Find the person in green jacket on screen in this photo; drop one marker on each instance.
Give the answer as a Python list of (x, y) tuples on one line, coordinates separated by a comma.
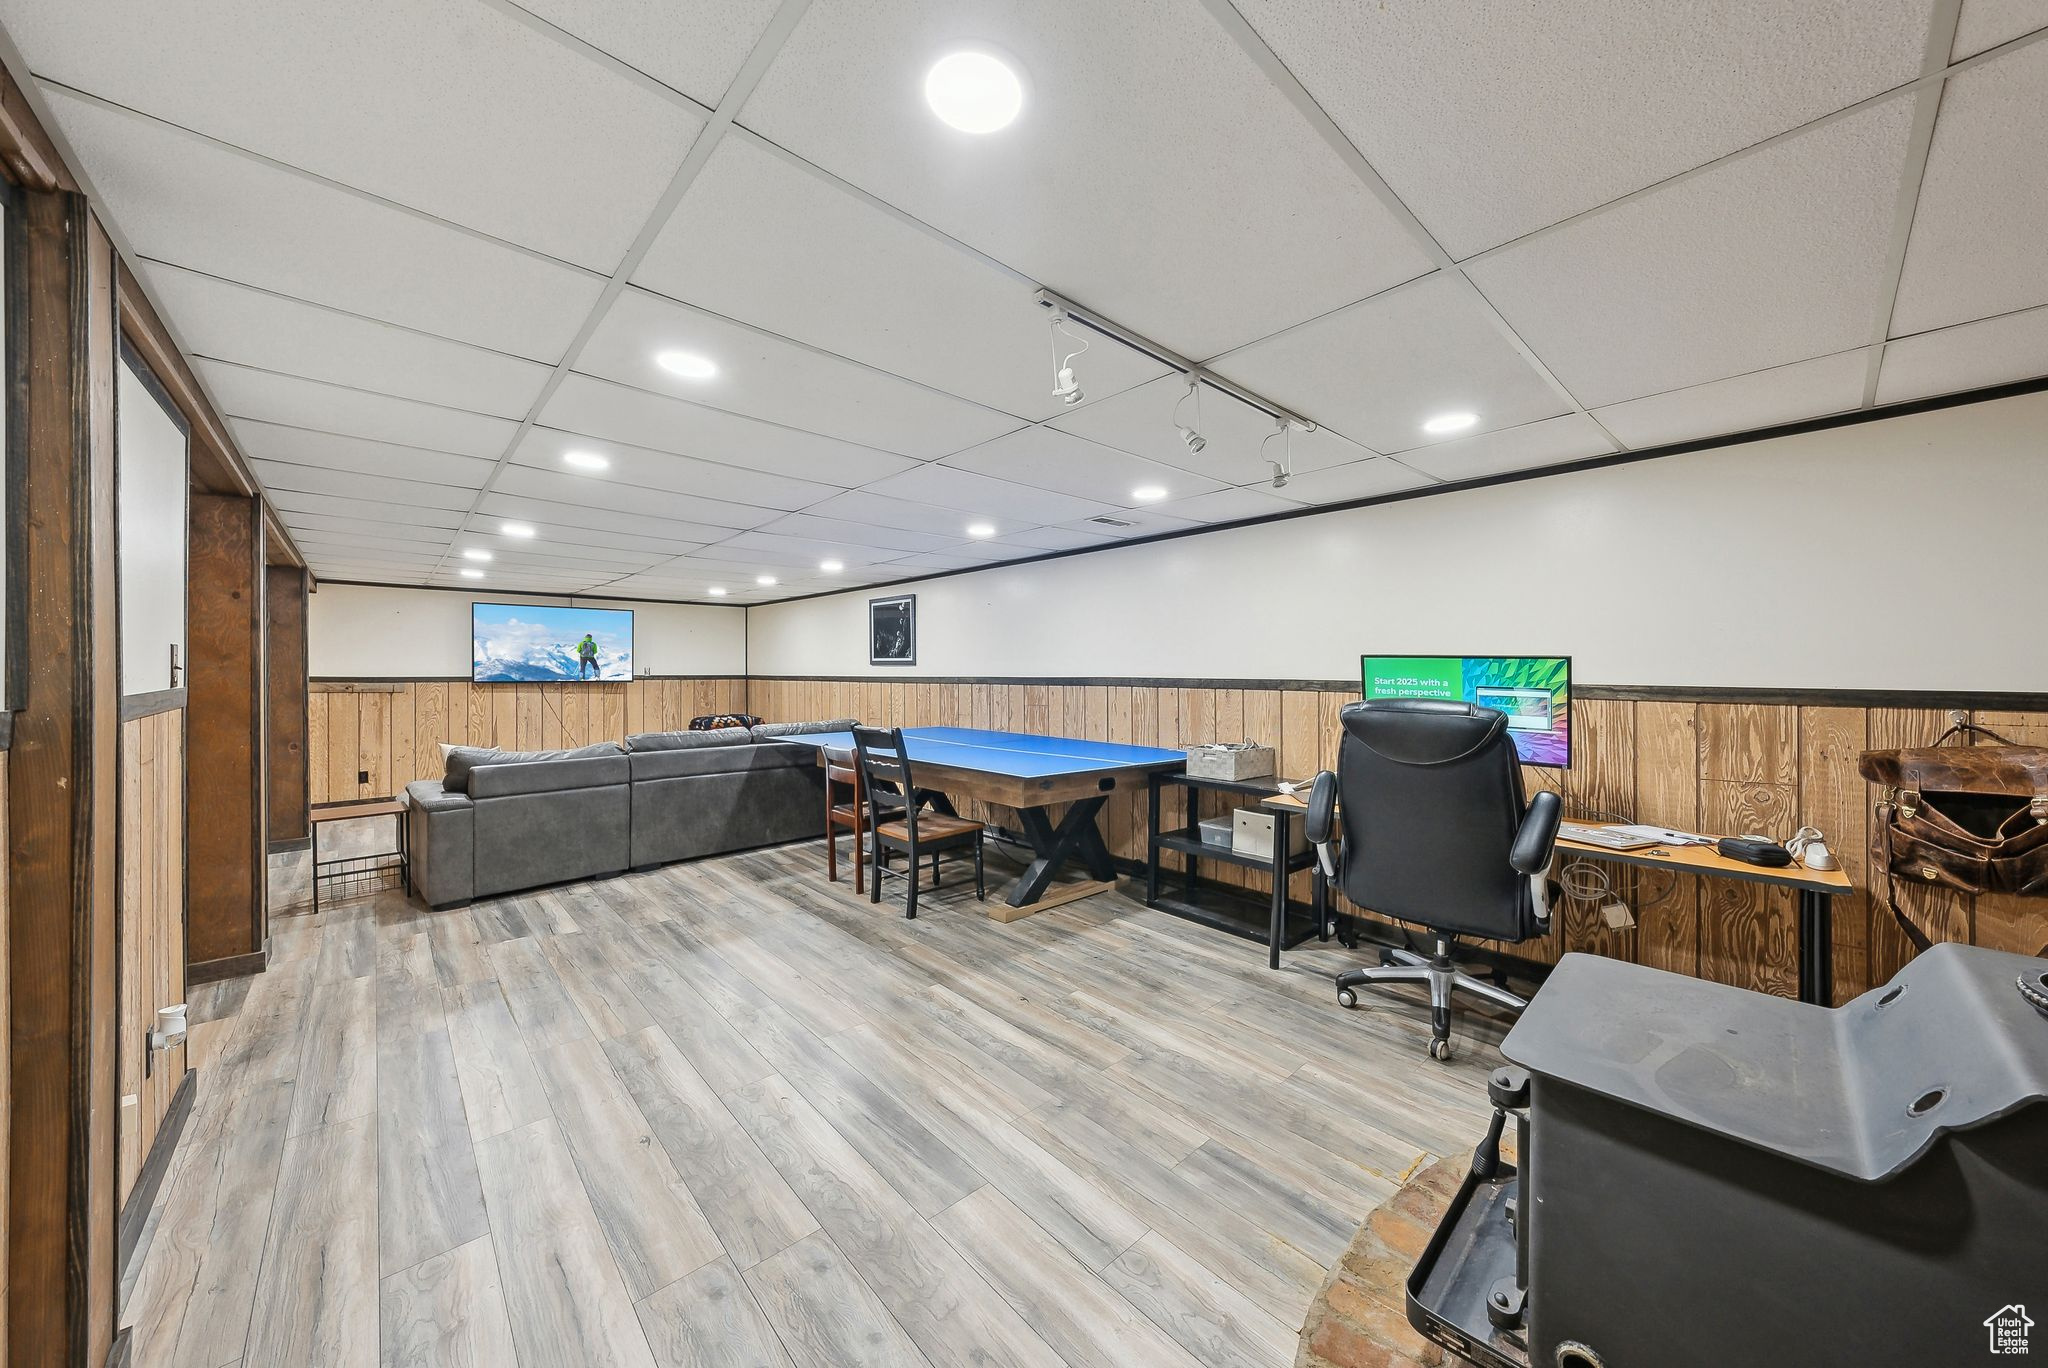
[(586, 657)]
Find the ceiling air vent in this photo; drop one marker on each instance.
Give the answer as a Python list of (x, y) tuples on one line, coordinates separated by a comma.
[(1112, 522)]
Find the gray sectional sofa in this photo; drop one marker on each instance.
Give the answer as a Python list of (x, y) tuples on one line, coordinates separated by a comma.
[(499, 821)]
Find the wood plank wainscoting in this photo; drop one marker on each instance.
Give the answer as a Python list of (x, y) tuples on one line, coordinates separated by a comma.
[(151, 935), (1694, 763), (370, 738)]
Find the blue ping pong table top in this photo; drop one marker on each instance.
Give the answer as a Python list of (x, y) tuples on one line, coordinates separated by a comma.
[(1014, 754)]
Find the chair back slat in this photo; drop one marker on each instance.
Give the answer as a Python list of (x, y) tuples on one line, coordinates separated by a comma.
[(885, 777)]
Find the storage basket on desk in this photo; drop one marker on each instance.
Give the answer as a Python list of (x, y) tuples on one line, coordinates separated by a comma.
[(1239, 761)]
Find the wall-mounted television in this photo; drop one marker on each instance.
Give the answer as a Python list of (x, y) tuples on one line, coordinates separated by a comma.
[(530, 643), (1534, 691)]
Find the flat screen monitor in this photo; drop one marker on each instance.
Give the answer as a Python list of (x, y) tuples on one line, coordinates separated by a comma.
[(528, 643), (1534, 691)]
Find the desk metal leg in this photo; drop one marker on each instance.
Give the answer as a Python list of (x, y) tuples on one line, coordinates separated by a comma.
[(313, 846), (1152, 841), (1276, 930), (1816, 947)]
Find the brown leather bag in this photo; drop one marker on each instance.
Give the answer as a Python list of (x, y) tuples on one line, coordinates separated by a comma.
[(1968, 818)]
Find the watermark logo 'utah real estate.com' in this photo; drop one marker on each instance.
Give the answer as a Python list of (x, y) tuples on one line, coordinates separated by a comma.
[(2008, 1327)]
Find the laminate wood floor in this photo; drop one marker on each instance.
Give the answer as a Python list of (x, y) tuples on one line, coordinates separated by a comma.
[(725, 1114)]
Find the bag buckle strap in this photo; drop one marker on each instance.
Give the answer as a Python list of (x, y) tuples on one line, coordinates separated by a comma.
[(1909, 801), (2037, 808)]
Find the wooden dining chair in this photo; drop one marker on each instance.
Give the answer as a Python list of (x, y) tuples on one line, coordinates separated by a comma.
[(842, 771), (897, 820)]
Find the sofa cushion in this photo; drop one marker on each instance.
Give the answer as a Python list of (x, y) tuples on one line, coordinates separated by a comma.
[(768, 731), (553, 775), (678, 764), (463, 759), (687, 740), (430, 796)]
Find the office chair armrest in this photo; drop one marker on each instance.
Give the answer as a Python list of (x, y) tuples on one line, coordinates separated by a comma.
[(1538, 835), (1320, 823)]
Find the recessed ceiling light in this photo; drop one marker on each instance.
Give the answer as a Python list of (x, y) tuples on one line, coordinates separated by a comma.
[(472, 574), (764, 579), (520, 530), (718, 591), (689, 365), (831, 567), (1149, 493), (475, 553), (1450, 422), (974, 91), (586, 460), (981, 529)]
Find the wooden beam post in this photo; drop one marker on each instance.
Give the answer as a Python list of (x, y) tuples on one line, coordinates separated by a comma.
[(62, 792), (285, 653), (227, 922)]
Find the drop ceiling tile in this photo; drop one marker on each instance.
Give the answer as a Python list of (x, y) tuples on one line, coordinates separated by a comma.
[(369, 488), (365, 549), (449, 108), (910, 515), (1138, 522), (937, 560), (767, 377), (970, 492), (843, 274), (320, 524), (499, 506), (569, 558), (695, 46), (1058, 539), (1048, 459), (341, 572), (872, 535), (1978, 246), (1367, 479), (758, 547), (1142, 421), (621, 413), (271, 397), (1987, 23), (1229, 505), (289, 501), (330, 451), (1491, 121), (1783, 394), (1772, 258), (526, 482), (1554, 441), (1156, 174), (544, 449), (1993, 351), (221, 320), (298, 237), (1377, 370), (484, 532)]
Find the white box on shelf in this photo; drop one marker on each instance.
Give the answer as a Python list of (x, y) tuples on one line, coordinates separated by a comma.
[(1230, 762), (1216, 831), (1252, 834)]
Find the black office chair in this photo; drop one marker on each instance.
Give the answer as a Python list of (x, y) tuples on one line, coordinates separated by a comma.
[(1436, 832), (896, 824)]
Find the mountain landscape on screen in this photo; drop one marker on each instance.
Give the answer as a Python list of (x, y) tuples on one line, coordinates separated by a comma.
[(531, 643)]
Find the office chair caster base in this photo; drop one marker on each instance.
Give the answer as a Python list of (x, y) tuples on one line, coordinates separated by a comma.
[(1346, 998), (1440, 1050)]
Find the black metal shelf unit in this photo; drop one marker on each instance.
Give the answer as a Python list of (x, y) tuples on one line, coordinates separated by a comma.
[(1241, 914)]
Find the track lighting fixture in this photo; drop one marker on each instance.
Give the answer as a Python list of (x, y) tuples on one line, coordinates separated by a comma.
[(1191, 437), (1283, 469), (1065, 387)]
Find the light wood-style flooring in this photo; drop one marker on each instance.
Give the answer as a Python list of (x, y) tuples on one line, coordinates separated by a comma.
[(727, 1114)]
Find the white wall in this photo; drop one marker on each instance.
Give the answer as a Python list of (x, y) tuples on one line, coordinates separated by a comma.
[(152, 451), (360, 632), (1897, 554)]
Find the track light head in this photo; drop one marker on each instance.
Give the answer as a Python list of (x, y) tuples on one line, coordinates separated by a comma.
[(1280, 475), (1065, 387), (1193, 440)]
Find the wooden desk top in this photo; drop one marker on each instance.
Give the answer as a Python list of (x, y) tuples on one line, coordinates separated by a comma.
[(1689, 859), (385, 807)]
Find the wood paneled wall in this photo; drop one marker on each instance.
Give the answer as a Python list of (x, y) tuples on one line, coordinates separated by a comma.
[(1697, 765), (152, 929), (284, 656), (371, 739)]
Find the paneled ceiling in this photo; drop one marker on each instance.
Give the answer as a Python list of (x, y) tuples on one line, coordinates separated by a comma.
[(422, 253)]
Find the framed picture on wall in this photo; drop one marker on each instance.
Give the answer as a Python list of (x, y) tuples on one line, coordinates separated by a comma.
[(892, 630)]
